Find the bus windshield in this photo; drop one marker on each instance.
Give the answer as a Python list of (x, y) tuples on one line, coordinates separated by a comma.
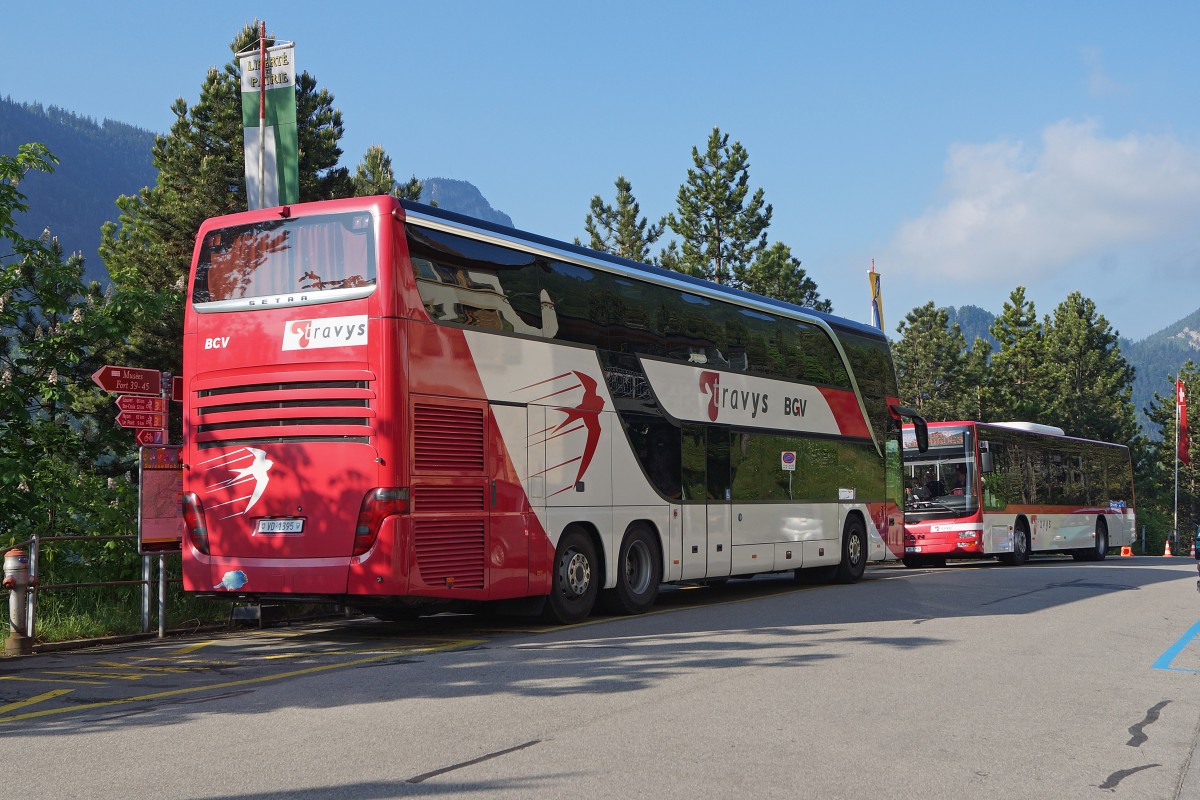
[(252, 264), (943, 481)]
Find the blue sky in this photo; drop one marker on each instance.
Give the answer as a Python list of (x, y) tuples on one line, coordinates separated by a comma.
[(966, 148)]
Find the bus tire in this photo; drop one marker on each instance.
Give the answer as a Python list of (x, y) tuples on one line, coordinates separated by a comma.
[(638, 569), (576, 580), (854, 551), (1099, 549), (1020, 553)]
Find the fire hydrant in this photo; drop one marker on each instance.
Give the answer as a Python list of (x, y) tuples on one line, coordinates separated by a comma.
[(16, 580)]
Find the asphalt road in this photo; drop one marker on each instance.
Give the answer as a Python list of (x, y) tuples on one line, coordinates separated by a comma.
[(1053, 680)]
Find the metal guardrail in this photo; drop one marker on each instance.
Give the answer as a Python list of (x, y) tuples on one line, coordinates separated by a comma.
[(30, 586)]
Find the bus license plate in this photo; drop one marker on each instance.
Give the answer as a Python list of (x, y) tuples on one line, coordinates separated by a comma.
[(280, 526)]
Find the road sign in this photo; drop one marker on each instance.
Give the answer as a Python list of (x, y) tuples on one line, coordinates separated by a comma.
[(138, 402), (149, 437), (128, 380), (140, 419)]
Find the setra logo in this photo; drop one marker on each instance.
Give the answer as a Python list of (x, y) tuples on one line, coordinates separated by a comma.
[(312, 334)]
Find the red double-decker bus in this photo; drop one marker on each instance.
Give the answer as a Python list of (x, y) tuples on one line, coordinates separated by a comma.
[(1008, 490), (395, 407)]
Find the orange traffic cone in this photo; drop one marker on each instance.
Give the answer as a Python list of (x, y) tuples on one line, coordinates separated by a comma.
[(1193, 549), (1167, 552), (1126, 552)]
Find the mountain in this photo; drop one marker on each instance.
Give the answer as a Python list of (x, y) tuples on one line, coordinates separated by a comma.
[(461, 197), (1157, 359), (974, 322), (98, 162)]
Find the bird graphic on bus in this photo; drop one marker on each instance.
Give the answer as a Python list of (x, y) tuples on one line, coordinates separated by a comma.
[(583, 416), (256, 472)]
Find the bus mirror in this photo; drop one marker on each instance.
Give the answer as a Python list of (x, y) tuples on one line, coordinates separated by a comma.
[(985, 458), (920, 427)]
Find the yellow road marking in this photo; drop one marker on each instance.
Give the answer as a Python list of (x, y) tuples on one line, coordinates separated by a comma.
[(82, 674), (48, 680), (191, 648), (229, 684), (38, 699)]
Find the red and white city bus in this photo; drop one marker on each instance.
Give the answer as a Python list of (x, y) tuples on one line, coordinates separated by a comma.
[(392, 406), (1010, 489)]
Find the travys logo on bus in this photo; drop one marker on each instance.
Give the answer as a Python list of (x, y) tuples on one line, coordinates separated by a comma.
[(312, 334), (740, 401)]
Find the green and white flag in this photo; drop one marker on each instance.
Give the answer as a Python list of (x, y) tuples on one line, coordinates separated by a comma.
[(269, 120)]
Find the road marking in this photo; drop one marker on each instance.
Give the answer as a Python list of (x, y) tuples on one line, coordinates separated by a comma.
[(213, 686), (191, 648), (1164, 661), (49, 680), (38, 699)]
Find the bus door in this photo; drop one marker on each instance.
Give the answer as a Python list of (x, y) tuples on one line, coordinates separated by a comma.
[(707, 512)]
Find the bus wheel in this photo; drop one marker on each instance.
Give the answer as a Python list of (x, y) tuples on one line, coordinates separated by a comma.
[(638, 569), (854, 551), (1099, 550), (576, 581), (1020, 553)]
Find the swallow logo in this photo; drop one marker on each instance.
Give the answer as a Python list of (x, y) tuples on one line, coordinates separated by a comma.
[(254, 472), (583, 416)]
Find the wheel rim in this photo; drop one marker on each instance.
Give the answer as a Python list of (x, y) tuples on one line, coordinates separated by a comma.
[(637, 567), (1101, 542), (1022, 543), (854, 549), (577, 573)]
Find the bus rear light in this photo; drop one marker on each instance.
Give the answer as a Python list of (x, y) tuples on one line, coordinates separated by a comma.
[(193, 521), (378, 505)]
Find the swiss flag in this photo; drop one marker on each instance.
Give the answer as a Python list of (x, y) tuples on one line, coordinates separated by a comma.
[(1181, 421)]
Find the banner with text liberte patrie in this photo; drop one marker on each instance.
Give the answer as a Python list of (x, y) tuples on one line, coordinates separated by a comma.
[(269, 120)]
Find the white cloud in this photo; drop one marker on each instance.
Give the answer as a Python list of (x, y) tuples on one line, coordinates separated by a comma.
[(1014, 213)]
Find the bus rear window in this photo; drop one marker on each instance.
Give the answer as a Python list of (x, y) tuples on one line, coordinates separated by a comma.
[(282, 257)]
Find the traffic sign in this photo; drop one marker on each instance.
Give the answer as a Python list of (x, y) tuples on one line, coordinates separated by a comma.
[(148, 437), (128, 380), (138, 402), (140, 419)]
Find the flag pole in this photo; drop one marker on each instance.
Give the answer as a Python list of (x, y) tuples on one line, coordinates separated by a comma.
[(262, 112)]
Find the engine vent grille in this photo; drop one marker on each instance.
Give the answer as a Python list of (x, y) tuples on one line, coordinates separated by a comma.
[(448, 439), (450, 552)]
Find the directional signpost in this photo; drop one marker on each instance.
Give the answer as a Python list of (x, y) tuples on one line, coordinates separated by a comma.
[(148, 437), (141, 401), (128, 380), (137, 402)]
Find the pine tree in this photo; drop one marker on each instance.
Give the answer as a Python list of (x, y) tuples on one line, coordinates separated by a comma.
[(1092, 382), (932, 369), (619, 229), (721, 231), (201, 174), (375, 176), (1018, 389), (776, 273)]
